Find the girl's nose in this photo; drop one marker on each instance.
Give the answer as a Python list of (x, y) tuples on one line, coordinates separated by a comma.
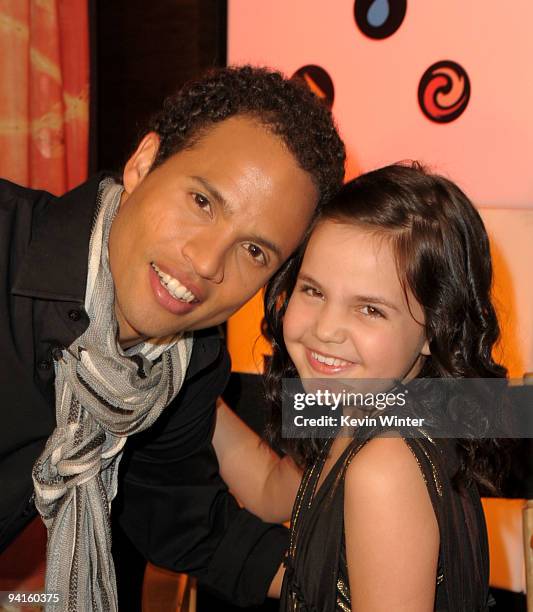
[(329, 326)]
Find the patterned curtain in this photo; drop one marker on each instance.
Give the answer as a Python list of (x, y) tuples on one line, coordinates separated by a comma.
[(44, 66), (44, 63)]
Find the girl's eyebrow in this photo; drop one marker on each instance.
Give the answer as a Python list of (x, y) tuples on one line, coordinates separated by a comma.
[(372, 299), (375, 300), (308, 279)]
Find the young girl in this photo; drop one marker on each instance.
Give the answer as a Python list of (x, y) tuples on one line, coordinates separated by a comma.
[(394, 284)]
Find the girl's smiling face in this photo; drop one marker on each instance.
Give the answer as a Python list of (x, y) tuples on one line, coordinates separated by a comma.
[(349, 316)]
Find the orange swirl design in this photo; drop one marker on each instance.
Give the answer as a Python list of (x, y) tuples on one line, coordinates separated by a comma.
[(444, 91)]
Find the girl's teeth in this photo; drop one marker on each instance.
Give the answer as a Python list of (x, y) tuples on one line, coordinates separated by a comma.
[(331, 361)]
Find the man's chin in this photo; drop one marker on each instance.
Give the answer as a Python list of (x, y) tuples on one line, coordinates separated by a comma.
[(141, 328), (132, 334)]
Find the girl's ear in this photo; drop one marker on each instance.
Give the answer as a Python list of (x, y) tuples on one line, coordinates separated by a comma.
[(425, 350)]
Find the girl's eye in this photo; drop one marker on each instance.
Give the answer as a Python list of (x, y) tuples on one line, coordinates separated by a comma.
[(311, 291), (202, 202), (256, 253), (372, 311)]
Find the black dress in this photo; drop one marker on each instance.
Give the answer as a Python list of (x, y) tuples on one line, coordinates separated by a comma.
[(316, 578)]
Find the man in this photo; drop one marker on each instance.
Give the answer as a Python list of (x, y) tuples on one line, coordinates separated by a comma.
[(104, 288)]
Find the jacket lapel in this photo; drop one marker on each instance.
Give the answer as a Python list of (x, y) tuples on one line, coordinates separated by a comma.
[(55, 265)]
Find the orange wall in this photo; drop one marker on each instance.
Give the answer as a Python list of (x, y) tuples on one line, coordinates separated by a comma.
[(487, 149)]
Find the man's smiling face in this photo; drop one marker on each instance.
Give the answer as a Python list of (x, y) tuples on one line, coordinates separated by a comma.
[(196, 237)]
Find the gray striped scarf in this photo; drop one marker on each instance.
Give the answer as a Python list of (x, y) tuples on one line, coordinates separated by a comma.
[(103, 394)]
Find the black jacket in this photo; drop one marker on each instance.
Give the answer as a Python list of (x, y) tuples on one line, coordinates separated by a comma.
[(172, 503)]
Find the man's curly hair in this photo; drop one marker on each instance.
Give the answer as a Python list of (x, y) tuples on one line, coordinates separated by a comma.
[(286, 107)]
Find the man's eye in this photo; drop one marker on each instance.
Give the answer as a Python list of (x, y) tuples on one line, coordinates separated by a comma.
[(256, 253), (372, 311), (202, 202)]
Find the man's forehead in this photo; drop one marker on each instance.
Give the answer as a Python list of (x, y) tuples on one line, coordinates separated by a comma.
[(236, 125)]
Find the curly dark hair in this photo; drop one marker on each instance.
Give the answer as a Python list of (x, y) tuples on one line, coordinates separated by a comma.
[(284, 106), (443, 257)]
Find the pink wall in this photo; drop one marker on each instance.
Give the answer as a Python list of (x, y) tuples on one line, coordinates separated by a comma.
[(488, 150)]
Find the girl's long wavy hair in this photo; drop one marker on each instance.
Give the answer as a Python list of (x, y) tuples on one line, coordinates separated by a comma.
[(443, 256)]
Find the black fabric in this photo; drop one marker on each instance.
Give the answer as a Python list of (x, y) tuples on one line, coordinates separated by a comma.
[(316, 578), (172, 503)]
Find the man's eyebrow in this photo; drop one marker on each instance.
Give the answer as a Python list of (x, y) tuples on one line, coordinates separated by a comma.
[(213, 192)]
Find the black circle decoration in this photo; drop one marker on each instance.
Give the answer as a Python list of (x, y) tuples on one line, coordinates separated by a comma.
[(318, 81), (444, 91), (379, 18)]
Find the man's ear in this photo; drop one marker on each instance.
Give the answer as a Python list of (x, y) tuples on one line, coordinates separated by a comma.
[(139, 164)]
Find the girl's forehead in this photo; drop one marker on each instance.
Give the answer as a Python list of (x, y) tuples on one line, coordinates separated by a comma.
[(353, 260), (353, 245)]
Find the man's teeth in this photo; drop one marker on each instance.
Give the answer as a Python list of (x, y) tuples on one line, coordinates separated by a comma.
[(174, 287), (331, 361)]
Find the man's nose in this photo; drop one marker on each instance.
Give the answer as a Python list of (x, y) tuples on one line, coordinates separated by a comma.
[(207, 255), (330, 325)]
